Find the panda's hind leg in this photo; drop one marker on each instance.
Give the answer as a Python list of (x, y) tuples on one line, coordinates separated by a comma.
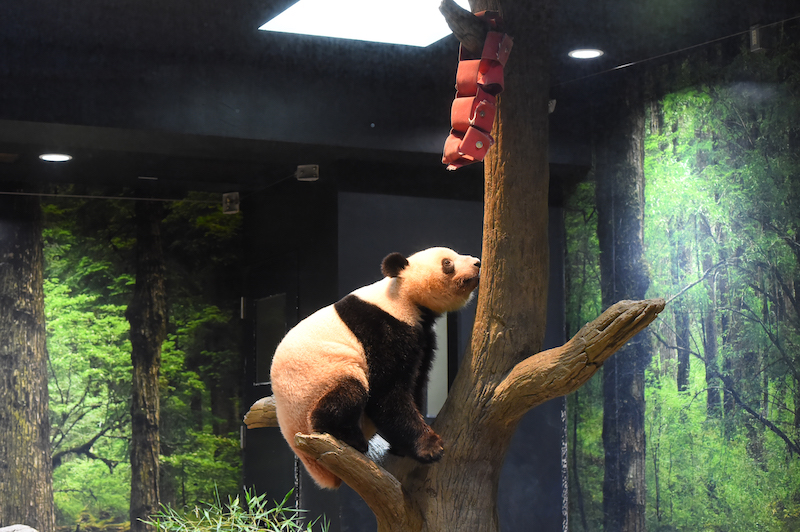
[(400, 423), (339, 413)]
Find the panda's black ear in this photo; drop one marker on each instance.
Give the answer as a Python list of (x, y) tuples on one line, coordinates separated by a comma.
[(393, 264)]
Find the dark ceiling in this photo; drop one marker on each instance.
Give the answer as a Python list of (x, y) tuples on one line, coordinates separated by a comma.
[(191, 92)]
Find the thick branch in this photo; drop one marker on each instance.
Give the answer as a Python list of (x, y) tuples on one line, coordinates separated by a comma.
[(380, 490), (564, 369), (261, 414), (468, 29)]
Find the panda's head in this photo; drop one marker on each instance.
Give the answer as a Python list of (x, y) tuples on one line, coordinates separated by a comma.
[(436, 278)]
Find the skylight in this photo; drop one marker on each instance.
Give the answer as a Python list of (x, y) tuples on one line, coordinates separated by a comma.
[(410, 22)]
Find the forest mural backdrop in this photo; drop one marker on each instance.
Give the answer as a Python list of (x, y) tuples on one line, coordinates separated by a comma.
[(722, 245), (89, 247), (722, 379)]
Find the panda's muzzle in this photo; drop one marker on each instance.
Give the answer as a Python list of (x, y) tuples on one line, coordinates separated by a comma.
[(470, 283)]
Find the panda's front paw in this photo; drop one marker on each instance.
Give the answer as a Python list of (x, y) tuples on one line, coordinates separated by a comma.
[(429, 448)]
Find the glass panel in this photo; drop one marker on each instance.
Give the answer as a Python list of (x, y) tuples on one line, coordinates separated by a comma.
[(437, 383), (270, 329)]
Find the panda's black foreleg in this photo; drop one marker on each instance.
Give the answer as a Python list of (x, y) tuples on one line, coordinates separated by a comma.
[(339, 412), (401, 424)]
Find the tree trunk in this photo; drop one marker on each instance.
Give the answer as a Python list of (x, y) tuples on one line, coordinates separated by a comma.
[(620, 210), (462, 488), (26, 482), (148, 318)]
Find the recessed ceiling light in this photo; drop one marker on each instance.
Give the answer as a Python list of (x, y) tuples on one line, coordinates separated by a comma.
[(55, 157), (412, 22), (586, 53)]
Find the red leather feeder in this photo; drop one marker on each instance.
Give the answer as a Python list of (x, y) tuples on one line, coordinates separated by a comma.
[(478, 82)]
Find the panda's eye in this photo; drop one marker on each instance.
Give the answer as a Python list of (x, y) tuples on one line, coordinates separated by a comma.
[(447, 266)]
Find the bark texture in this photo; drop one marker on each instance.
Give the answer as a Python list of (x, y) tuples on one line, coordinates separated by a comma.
[(147, 315), (26, 485), (620, 208)]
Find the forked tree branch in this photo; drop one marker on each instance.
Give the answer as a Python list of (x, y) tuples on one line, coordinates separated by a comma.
[(562, 370)]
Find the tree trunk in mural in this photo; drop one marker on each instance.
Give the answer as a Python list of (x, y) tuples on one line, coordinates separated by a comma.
[(147, 315), (710, 320), (683, 333), (503, 375), (26, 482), (620, 211)]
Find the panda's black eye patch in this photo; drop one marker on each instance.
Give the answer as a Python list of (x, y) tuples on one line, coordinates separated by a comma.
[(447, 266)]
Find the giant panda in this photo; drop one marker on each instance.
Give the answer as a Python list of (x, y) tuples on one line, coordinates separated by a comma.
[(361, 365)]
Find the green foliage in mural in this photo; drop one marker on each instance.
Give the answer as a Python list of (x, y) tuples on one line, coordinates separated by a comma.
[(582, 283), (87, 340), (88, 285), (722, 235)]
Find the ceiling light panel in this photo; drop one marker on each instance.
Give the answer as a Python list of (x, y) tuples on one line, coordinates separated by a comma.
[(55, 157), (586, 53), (410, 22)]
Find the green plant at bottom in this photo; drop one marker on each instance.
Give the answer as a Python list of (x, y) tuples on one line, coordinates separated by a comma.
[(257, 514)]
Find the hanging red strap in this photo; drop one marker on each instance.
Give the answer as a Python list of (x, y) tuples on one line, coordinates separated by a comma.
[(478, 82)]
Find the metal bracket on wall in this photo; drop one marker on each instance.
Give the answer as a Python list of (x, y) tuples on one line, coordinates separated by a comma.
[(307, 172), (755, 39), (230, 203)]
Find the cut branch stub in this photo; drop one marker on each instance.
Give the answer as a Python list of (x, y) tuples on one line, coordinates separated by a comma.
[(380, 490), (562, 370), (261, 414), (469, 30)]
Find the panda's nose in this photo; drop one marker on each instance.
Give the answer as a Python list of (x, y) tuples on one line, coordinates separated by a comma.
[(477, 264)]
